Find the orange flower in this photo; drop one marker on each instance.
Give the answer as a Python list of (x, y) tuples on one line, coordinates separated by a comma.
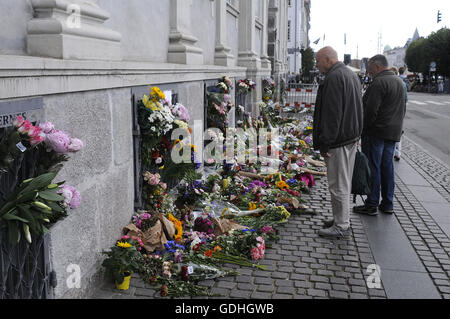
[(217, 248), (282, 185), (208, 253), (178, 227)]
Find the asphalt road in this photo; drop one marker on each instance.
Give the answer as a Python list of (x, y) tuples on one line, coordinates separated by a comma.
[(427, 123)]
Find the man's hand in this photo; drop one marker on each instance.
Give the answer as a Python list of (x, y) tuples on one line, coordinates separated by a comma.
[(325, 155)]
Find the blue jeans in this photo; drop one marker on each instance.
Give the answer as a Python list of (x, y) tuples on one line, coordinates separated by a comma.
[(380, 154)]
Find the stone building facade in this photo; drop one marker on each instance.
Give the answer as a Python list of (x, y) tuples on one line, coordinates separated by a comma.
[(84, 60), (298, 32)]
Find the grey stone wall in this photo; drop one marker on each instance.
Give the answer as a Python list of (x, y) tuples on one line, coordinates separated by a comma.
[(14, 15), (233, 35), (203, 26), (144, 25), (102, 172)]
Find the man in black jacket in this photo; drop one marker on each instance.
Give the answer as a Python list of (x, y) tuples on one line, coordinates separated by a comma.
[(338, 123), (384, 112)]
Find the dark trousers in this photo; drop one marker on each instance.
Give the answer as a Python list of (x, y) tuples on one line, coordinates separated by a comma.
[(380, 154)]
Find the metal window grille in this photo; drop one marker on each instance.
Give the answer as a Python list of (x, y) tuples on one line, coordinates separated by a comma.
[(241, 100), (136, 95), (25, 270)]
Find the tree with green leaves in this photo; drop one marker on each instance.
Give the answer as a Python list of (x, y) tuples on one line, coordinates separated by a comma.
[(307, 62), (439, 50), (415, 56), (436, 47)]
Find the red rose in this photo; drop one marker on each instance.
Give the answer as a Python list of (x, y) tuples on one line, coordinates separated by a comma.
[(184, 273), (164, 290)]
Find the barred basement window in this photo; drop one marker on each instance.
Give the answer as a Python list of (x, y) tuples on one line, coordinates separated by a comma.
[(171, 92), (25, 270)]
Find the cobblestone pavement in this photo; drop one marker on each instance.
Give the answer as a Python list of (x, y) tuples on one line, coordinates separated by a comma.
[(430, 242), (301, 265)]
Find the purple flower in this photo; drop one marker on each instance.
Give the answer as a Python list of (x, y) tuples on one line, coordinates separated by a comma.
[(308, 179), (58, 141), (178, 256), (180, 111), (72, 197), (76, 200), (47, 127), (267, 229), (255, 184), (75, 145), (139, 223)]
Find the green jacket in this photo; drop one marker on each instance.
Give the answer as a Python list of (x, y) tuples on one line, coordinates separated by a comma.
[(385, 107), (338, 115)]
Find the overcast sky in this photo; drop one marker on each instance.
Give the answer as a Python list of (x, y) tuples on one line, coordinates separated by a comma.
[(363, 20)]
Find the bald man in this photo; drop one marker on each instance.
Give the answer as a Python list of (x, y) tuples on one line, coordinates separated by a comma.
[(338, 124)]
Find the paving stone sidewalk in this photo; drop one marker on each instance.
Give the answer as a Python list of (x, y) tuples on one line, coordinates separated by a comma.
[(301, 265), (426, 232)]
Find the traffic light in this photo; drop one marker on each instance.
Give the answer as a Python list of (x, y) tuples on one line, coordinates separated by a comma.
[(439, 16)]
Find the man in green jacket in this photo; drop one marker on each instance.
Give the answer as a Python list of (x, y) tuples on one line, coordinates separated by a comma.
[(384, 112), (338, 117)]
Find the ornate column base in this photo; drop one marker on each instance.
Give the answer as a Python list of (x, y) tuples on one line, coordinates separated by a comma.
[(249, 60), (265, 62), (182, 49), (70, 29), (223, 57)]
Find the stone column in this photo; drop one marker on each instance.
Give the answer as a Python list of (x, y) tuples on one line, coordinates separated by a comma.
[(265, 61), (247, 56), (222, 55), (72, 29), (182, 48), (282, 36), (274, 37)]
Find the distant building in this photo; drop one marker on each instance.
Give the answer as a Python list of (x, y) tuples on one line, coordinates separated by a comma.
[(356, 63), (396, 56), (298, 30)]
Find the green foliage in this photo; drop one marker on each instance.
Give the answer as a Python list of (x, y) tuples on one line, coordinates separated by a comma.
[(32, 208), (439, 50), (307, 61), (415, 56), (121, 261), (435, 47)]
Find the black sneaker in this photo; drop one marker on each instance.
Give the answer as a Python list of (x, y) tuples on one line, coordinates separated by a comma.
[(397, 158), (365, 210), (386, 211)]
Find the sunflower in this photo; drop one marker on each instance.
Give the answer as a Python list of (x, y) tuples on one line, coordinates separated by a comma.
[(123, 245), (282, 185), (178, 227)]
